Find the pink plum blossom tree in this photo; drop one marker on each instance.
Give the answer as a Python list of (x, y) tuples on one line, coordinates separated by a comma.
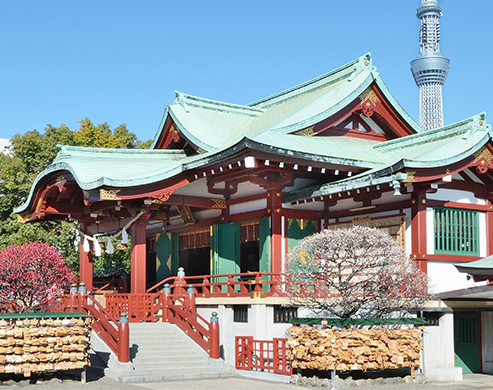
[(355, 272), (31, 275)]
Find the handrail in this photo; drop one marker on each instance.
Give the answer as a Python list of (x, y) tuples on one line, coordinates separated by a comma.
[(242, 280), (187, 320), (103, 323)]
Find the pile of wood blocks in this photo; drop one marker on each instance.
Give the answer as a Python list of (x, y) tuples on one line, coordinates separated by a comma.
[(347, 349), (38, 345)]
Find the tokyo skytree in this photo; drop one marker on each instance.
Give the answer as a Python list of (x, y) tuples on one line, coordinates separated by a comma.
[(430, 68)]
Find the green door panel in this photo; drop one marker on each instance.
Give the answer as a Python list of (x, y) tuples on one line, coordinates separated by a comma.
[(166, 255), (466, 342), (264, 249), (226, 250), (264, 244)]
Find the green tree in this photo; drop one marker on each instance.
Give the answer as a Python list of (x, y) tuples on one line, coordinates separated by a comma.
[(30, 154)]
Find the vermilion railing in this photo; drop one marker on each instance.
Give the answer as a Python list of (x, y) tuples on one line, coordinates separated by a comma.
[(224, 285), (262, 355), (105, 325), (139, 307), (177, 311)]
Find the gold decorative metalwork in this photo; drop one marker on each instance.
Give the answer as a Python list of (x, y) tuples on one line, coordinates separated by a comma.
[(218, 203), (186, 215), (201, 151), (410, 177), (108, 194), (161, 216), (369, 94), (23, 218), (308, 131)]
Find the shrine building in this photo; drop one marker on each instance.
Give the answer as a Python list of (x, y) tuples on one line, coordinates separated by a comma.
[(229, 189)]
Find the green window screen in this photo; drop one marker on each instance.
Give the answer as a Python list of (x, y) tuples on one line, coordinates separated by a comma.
[(456, 231)]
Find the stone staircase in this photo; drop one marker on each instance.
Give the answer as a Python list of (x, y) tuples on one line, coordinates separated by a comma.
[(160, 351)]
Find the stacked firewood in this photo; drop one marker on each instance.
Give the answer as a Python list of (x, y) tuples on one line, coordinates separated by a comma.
[(346, 349), (38, 345)]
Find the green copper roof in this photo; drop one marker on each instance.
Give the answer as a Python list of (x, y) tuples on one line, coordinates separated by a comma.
[(222, 129), (433, 148), (215, 125), (478, 267)]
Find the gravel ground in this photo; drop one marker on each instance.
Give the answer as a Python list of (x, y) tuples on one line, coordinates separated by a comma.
[(96, 381)]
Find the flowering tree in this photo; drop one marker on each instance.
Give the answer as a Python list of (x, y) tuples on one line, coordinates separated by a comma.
[(356, 272), (31, 275)]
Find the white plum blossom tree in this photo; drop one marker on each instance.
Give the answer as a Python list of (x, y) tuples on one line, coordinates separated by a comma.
[(355, 272)]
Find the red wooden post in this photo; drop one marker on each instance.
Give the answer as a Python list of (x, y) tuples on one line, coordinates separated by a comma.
[(138, 258), (214, 337), (165, 301), (191, 297), (85, 267), (123, 339)]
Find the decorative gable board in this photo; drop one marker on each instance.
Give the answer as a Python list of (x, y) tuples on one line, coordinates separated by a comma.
[(370, 116)]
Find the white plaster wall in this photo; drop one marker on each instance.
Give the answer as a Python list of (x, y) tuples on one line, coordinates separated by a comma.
[(408, 219), (430, 231), (445, 277), (260, 325), (438, 353), (455, 196), (259, 204), (482, 235), (487, 341)]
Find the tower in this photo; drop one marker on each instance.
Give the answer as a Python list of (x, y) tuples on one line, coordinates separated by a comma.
[(430, 68)]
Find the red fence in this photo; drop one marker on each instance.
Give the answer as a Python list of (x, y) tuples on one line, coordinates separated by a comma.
[(262, 355), (252, 284)]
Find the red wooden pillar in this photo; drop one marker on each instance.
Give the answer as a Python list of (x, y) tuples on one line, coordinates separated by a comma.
[(85, 268), (489, 228), (418, 230), (138, 258), (274, 206)]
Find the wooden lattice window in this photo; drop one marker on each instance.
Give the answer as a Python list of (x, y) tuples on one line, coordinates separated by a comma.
[(194, 239), (240, 313), (249, 231), (284, 314), (456, 231)]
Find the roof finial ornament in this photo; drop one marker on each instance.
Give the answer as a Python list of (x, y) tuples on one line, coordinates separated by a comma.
[(430, 68), (180, 99), (364, 63)]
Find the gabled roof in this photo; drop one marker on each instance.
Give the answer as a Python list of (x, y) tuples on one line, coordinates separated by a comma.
[(210, 125), (431, 149), (277, 125)]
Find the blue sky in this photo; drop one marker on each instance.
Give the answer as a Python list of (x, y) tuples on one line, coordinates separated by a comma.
[(121, 61)]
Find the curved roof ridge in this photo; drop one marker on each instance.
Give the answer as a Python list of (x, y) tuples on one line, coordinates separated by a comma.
[(347, 71), (466, 127), (186, 100), (66, 151)]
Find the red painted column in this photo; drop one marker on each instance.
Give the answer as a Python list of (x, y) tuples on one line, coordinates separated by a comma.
[(489, 228), (138, 258), (85, 268), (274, 206), (418, 230)]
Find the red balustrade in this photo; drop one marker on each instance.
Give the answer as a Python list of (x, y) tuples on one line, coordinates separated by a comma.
[(139, 307), (262, 355), (246, 284)]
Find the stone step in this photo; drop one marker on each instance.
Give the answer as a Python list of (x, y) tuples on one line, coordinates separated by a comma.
[(163, 352), (177, 360), (173, 375)]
